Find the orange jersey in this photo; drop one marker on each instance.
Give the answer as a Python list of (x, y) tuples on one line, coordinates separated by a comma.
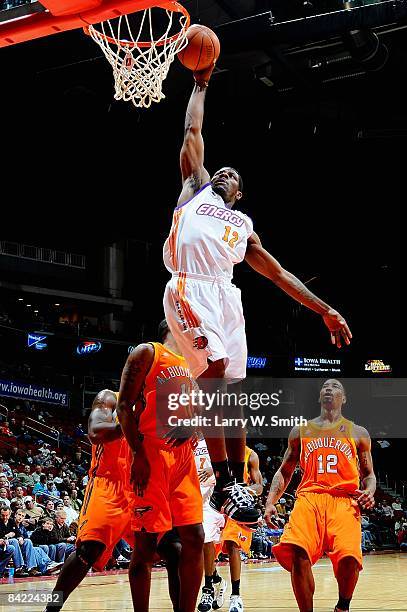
[(170, 374), (328, 458)]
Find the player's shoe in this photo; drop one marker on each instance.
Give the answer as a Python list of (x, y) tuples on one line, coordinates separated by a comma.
[(206, 600), (237, 503), (236, 604), (219, 590)]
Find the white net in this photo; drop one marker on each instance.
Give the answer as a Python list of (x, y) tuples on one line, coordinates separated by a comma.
[(139, 69)]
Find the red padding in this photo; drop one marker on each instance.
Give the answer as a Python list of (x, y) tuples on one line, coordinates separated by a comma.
[(45, 24), (70, 7)]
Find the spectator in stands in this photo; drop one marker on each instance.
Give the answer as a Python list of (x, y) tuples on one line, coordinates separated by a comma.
[(261, 546), (13, 456), (21, 432), (52, 490), (78, 431), (41, 486), (33, 512), (281, 509), (18, 494), (387, 510), (44, 449), (25, 477), (23, 548), (59, 505), (29, 458), (46, 536), (367, 537), (49, 510), (397, 508), (4, 482), (53, 455), (71, 514), (6, 469), (62, 530), (6, 552), (5, 429), (76, 503), (59, 478), (4, 497), (44, 563), (37, 473), (18, 504)]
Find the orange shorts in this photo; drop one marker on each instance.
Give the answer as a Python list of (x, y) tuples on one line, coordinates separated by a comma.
[(233, 532), (173, 495), (322, 523), (105, 517)]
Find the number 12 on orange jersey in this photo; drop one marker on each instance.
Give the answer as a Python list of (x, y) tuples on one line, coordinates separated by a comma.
[(230, 240)]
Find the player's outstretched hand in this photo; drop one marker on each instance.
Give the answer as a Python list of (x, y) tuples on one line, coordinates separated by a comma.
[(338, 327), (365, 499), (140, 471), (202, 77), (271, 511)]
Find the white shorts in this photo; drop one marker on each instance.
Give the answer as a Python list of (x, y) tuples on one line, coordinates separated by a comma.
[(205, 316), (213, 523)]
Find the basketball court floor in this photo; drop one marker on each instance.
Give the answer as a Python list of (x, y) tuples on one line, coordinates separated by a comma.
[(264, 586)]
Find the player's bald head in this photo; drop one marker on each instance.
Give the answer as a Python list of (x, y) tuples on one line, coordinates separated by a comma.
[(105, 399)]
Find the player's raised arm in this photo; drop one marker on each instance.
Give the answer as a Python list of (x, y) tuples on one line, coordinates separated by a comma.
[(193, 172), (264, 263), (283, 475), (368, 477), (256, 479), (101, 425)]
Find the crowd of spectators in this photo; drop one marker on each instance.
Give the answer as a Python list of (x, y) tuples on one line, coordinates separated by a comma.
[(42, 485)]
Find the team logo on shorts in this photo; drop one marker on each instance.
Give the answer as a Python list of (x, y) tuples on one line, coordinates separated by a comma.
[(141, 510), (200, 342)]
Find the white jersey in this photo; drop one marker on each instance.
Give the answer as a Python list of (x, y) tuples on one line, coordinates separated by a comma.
[(203, 461), (206, 236)]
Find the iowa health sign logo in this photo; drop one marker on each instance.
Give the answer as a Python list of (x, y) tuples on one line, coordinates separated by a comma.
[(89, 346)]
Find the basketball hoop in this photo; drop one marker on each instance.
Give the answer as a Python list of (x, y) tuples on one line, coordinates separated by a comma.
[(140, 66)]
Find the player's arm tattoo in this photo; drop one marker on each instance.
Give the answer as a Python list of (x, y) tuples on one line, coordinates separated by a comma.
[(131, 387), (284, 473), (367, 474), (192, 151), (277, 486)]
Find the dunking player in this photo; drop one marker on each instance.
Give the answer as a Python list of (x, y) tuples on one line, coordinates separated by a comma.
[(213, 522), (165, 481), (105, 516), (326, 515), (202, 306), (236, 537)]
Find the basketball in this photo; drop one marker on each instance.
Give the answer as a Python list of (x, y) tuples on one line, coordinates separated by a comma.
[(202, 50)]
